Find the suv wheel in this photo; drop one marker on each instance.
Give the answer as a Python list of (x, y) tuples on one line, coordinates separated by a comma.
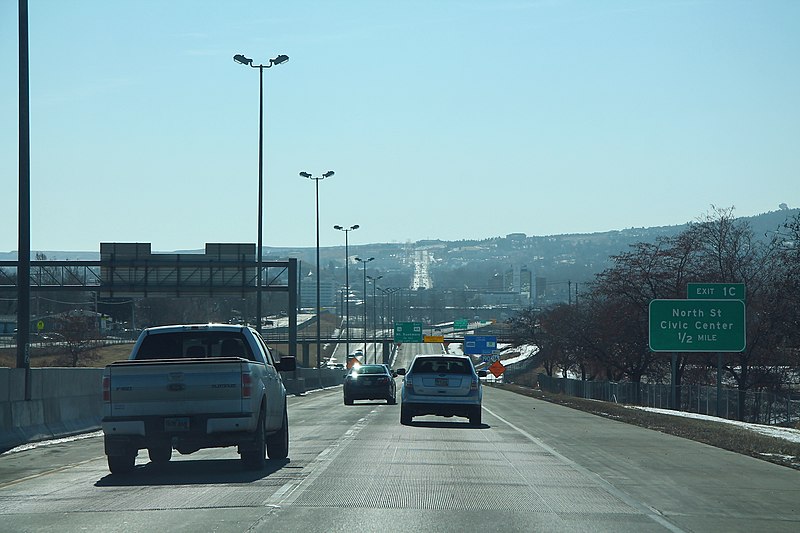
[(475, 416), (405, 415)]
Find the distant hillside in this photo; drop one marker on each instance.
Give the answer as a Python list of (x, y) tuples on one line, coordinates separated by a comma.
[(577, 254)]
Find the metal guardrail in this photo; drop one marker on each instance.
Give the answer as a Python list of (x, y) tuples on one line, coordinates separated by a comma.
[(759, 407)]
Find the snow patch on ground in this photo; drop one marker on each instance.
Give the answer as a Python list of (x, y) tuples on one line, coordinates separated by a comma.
[(789, 434)]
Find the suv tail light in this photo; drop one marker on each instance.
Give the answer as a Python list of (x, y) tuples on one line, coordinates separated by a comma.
[(247, 384), (409, 381), (474, 384)]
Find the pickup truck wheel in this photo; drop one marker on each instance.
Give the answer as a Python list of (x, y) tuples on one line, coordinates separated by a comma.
[(278, 442), (160, 454), (256, 457), (121, 464)]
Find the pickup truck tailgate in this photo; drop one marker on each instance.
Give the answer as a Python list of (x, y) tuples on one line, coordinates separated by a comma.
[(163, 387)]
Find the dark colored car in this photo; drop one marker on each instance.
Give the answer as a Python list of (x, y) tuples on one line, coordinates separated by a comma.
[(369, 382)]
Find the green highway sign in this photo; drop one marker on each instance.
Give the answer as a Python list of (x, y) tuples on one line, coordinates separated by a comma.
[(408, 332), (461, 324), (715, 291), (697, 326)]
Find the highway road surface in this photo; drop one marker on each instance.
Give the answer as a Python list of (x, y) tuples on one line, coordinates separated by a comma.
[(532, 466)]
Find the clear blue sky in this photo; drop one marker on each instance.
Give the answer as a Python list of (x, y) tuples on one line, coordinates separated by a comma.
[(442, 119)]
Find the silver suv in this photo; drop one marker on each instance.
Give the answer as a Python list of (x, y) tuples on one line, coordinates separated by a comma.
[(444, 385)]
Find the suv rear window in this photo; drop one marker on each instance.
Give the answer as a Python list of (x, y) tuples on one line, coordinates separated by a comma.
[(194, 344), (442, 365)]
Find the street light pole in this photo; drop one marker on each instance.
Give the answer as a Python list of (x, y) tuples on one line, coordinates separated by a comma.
[(364, 263), (391, 304), (374, 317), (242, 60), (384, 294), (347, 284), (317, 179)]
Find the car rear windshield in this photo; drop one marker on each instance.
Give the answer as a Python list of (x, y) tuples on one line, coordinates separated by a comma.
[(442, 365), (371, 369), (194, 344)]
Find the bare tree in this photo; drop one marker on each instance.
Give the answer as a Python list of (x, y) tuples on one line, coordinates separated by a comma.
[(79, 336)]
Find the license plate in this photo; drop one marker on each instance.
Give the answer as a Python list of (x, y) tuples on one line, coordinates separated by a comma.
[(442, 382), (176, 424)]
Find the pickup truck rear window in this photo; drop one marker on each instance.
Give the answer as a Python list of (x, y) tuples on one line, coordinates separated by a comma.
[(194, 344)]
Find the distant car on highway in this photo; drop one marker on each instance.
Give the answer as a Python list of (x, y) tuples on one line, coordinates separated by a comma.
[(369, 382), (443, 385)]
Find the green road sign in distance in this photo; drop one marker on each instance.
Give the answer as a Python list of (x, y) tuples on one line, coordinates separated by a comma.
[(697, 326), (408, 332), (460, 324), (715, 291)]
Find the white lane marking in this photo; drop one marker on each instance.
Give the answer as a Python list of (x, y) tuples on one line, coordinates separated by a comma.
[(291, 490), (648, 511)]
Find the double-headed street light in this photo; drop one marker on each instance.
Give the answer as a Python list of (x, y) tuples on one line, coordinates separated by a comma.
[(347, 284), (364, 264), (374, 281), (241, 59), (317, 179)]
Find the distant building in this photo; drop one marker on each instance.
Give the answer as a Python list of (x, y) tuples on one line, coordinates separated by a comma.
[(328, 293), (8, 323), (525, 282)]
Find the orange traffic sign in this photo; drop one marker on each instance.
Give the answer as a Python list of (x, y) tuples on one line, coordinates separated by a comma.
[(497, 368)]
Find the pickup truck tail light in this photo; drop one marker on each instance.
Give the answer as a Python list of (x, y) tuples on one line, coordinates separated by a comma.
[(106, 389), (247, 384)]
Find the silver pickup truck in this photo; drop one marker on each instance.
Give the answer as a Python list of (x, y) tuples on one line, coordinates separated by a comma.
[(196, 386)]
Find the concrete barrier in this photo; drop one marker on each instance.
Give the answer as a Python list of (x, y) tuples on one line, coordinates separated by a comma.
[(306, 379), (68, 401), (63, 401)]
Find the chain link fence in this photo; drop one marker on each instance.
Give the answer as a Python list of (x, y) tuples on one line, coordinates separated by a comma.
[(758, 407)]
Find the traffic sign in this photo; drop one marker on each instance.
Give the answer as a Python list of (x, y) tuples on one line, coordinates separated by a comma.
[(479, 344), (408, 332), (433, 338), (497, 368), (715, 291), (461, 324), (697, 326)]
